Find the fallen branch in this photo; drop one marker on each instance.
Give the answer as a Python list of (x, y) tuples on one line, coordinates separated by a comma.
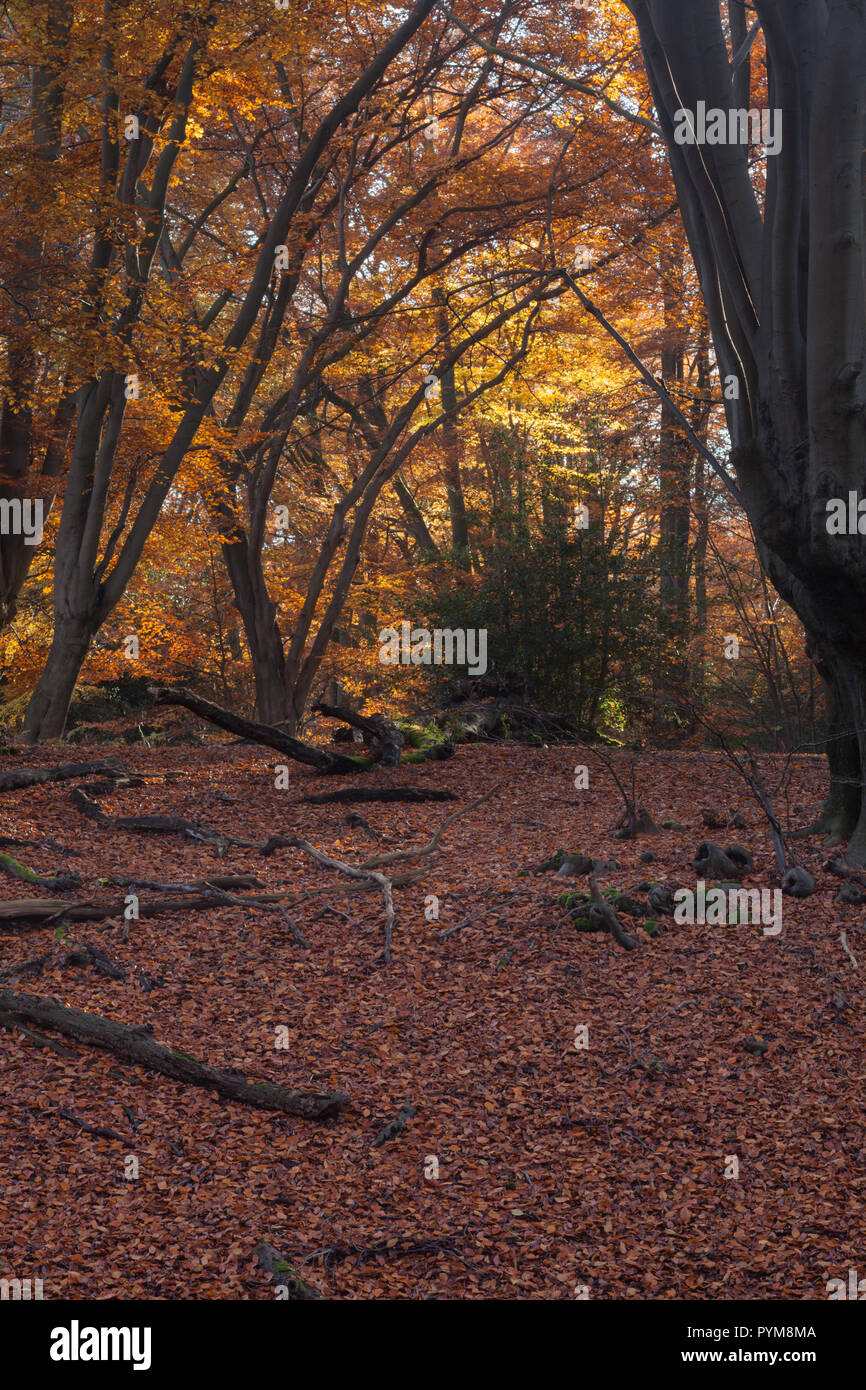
[(395, 856), (833, 866), (159, 825), (843, 937), (58, 883), (395, 1126), (101, 1131), (351, 872), (36, 776), (135, 1045), (480, 915), (46, 843), (34, 966), (256, 733), (411, 794), (228, 881)]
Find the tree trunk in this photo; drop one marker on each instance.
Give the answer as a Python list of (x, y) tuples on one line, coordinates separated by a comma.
[(451, 451), (674, 509), (781, 270), (48, 708), (258, 613), (841, 817)]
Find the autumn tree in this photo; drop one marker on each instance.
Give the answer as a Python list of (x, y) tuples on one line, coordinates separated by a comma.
[(141, 130)]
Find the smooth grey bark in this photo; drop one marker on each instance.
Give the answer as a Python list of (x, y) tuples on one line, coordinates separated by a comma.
[(783, 282)]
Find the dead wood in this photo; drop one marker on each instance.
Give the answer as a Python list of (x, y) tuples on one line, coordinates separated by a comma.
[(157, 825), (266, 734), (36, 776), (395, 1126), (481, 914), (101, 1131), (350, 871), (228, 881), (283, 1276), (411, 794), (609, 917), (395, 856), (359, 823), (385, 740), (57, 883), (92, 957), (10, 1021), (135, 1044), (48, 909)]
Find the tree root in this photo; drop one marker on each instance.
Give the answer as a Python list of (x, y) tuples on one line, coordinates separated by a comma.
[(609, 917)]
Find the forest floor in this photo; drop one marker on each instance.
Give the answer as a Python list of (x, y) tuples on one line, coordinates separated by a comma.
[(558, 1167)]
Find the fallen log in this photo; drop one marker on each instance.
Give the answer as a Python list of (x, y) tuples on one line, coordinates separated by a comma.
[(320, 758), (36, 776), (257, 733), (56, 883), (44, 909), (384, 738), (410, 794), (157, 825), (136, 1045)]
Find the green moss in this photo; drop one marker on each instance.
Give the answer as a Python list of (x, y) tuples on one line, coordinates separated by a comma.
[(18, 869), (572, 899)]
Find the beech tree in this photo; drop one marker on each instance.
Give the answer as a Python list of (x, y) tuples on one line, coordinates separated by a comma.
[(779, 251), (126, 192)]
